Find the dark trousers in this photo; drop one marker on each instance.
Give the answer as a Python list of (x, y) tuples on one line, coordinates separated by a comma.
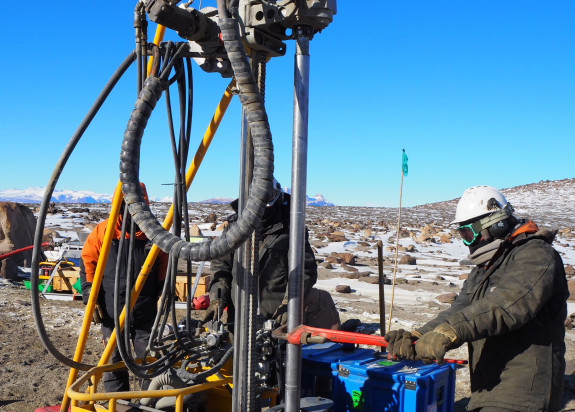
[(493, 409), (119, 380)]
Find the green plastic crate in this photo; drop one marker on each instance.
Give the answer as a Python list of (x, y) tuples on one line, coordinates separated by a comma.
[(40, 286)]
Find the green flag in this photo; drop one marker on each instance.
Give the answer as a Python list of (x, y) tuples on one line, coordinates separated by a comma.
[(404, 163)]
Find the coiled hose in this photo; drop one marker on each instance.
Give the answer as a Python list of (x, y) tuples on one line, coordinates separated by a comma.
[(261, 185), (36, 311)]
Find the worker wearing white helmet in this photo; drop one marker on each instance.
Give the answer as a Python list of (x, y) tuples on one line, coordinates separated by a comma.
[(511, 310)]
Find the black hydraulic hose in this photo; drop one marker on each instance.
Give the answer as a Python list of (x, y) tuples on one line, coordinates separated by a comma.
[(36, 311), (120, 337), (261, 185), (185, 135), (155, 60), (201, 376), (123, 337)]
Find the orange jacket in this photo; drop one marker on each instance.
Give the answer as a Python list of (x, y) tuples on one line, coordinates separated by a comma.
[(93, 245)]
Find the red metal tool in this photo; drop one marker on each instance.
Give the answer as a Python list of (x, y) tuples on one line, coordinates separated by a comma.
[(303, 334), (4, 256)]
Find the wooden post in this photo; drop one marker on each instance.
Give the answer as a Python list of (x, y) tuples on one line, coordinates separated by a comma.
[(396, 253), (381, 294)]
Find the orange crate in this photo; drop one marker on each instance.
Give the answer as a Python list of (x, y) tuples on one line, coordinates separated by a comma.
[(65, 278), (182, 286)]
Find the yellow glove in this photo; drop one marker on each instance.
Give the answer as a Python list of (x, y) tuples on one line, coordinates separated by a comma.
[(401, 344), (280, 315), (433, 345)]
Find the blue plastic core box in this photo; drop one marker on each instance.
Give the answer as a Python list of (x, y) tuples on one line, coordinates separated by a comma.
[(384, 385), (320, 360)]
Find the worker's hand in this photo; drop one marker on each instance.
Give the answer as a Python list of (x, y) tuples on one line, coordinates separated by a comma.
[(215, 309), (280, 315), (400, 344), (86, 290), (98, 315), (433, 345)]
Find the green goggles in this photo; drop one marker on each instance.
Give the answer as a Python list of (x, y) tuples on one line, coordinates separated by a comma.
[(472, 231), (468, 233)]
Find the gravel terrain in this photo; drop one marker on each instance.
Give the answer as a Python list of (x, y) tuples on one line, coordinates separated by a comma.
[(32, 378)]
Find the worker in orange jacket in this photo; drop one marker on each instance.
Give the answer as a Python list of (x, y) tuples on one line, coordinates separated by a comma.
[(145, 308)]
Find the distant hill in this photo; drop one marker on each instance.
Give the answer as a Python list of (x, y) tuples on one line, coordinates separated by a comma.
[(218, 200), (549, 203), (35, 194)]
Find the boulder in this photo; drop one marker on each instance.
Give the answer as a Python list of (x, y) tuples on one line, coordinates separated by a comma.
[(350, 325), (8, 269), (347, 258), (333, 259), (571, 286), (407, 260), (445, 238), (343, 289), (337, 237), (569, 270), (372, 280), (17, 227), (195, 231), (348, 268), (447, 297)]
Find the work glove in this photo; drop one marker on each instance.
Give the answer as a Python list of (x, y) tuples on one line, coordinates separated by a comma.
[(215, 309), (433, 345), (401, 344), (98, 315), (280, 315), (86, 290)]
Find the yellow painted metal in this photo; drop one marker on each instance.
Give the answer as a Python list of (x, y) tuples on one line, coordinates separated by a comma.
[(154, 251), (74, 391), (210, 132), (98, 275), (102, 259), (158, 37)]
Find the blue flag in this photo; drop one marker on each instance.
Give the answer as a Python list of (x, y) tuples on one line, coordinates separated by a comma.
[(404, 163)]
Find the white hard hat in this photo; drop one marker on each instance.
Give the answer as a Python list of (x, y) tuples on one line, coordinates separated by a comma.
[(479, 201)]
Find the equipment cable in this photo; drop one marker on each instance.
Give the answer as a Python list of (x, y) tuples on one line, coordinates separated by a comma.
[(49, 190), (260, 190)]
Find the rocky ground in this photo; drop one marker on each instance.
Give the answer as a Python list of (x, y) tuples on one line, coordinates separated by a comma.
[(429, 272)]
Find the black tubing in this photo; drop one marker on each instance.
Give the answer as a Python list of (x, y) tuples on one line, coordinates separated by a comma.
[(36, 311), (261, 185)]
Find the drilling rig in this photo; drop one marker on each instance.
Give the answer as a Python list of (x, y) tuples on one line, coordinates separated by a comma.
[(194, 365)]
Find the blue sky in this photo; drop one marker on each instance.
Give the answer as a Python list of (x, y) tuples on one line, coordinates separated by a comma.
[(476, 93)]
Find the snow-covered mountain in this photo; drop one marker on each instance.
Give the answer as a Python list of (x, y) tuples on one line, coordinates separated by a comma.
[(35, 194), (218, 200), (549, 203), (317, 200)]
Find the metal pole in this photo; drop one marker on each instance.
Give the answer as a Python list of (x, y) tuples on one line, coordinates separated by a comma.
[(381, 291), (240, 265), (297, 214)]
